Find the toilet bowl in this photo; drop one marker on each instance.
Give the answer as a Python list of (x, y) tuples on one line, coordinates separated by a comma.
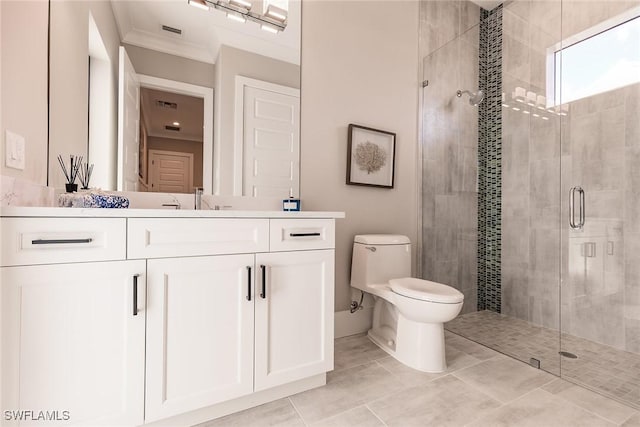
[(409, 313)]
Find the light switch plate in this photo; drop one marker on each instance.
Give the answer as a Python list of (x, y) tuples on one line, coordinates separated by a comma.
[(14, 150)]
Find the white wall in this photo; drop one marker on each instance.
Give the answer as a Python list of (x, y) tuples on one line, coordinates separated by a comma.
[(234, 62), (23, 85), (171, 67), (359, 65)]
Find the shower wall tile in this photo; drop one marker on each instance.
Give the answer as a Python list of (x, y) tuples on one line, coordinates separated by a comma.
[(515, 241), (516, 58), (631, 114), (515, 291), (469, 16), (441, 23), (521, 8), (545, 137), (546, 15), (578, 16), (450, 126), (447, 272), (609, 328)]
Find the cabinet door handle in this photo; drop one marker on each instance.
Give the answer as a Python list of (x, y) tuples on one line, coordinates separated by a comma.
[(248, 283), (303, 234), (135, 294), (263, 294), (59, 241)]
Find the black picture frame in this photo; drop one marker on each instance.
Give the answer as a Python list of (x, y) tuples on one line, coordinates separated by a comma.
[(370, 157)]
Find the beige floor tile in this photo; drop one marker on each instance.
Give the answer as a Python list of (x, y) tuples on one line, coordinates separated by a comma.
[(356, 417), (471, 348), (410, 377), (277, 413), (345, 390), (598, 404), (445, 401), (634, 421), (504, 378), (540, 408), (355, 350)]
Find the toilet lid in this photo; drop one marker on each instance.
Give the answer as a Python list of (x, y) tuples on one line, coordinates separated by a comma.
[(426, 290)]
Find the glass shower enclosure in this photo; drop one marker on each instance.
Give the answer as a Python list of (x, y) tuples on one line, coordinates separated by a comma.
[(531, 197)]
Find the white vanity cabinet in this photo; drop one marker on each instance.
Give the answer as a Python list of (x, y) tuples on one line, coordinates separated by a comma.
[(199, 332), (71, 341), (225, 326), (133, 320), (294, 316)]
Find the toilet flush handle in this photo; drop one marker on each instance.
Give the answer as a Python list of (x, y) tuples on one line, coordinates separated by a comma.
[(371, 248)]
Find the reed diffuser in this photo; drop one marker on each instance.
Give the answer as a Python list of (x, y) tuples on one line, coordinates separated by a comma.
[(75, 162), (84, 175)]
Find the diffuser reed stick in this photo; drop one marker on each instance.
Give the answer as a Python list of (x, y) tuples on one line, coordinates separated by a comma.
[(84, 175)]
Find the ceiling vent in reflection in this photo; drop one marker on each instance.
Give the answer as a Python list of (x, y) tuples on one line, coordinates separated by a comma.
[(172, 128), (173, 30), (166, 104)]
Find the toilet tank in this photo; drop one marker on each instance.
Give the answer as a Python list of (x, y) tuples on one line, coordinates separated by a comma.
[(377, 258)]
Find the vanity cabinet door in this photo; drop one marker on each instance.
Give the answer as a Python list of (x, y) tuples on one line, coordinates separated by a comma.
[(294, 316), (72, 344), (199, 332)]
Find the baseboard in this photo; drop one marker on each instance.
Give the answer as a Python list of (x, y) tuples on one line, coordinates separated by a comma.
[(347, 323), (231, 406)]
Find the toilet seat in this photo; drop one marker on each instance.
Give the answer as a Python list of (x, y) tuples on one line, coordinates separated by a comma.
[(425, 290)]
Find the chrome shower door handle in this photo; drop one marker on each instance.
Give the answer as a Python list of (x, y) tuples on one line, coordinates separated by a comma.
[(572, 208), (582, 207)]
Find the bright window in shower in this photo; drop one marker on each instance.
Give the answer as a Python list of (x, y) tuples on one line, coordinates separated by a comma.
[(598, 60)]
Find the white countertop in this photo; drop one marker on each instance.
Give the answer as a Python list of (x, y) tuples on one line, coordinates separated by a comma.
[(11, 211)]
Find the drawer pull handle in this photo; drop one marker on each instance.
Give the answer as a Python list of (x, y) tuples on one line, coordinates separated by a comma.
[(248, 283), (263, 294), (59, 241), (135, 294), (303, 234)]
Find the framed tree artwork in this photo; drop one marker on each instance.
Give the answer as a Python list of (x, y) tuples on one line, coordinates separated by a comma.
[(370, 157)]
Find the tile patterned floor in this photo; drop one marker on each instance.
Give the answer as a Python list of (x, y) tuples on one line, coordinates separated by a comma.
[(480, 388), (609, 371)]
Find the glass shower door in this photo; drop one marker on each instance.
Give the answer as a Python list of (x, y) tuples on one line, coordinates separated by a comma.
[(600, 110)]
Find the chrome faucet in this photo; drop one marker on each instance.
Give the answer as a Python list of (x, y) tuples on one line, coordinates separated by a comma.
[(198, 198)]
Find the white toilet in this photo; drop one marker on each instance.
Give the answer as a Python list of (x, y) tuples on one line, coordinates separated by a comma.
[(409, 313)]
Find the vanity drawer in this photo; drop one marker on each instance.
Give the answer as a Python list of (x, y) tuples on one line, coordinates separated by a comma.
[(302, 234), (29, 241), (175, 237)]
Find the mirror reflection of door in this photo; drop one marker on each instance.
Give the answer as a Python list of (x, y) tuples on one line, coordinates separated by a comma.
[(170, 172), (269, 122), (172, 126), (128, 124), (153, 120)]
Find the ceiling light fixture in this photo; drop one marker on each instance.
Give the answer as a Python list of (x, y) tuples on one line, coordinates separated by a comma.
[(269, 28), (234, 16), (241, 3), (274, 19), (200, 4), (276, 13), (176, 123)]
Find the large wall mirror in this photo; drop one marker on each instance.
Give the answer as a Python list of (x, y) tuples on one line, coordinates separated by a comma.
[(167, 96)]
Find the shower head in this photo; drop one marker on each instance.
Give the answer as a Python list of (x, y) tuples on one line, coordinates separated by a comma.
[(475, 98)]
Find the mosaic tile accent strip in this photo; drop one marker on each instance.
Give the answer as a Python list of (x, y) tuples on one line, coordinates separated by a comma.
[(490, 161)]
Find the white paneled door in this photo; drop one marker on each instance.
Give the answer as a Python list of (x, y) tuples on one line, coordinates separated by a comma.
[(79, 347), (128, 124), (199, 332), (170, 172), (294, 316), (271, 148)]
